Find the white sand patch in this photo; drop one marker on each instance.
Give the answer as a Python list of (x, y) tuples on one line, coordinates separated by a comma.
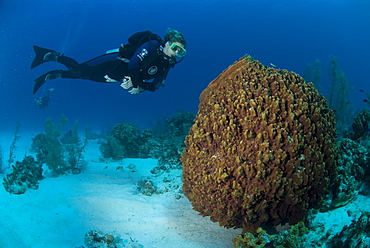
[(102, 198)]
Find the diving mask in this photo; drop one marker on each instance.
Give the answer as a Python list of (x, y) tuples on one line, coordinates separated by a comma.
[(177, 50)]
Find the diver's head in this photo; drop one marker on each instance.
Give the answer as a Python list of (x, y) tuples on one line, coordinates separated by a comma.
[(174, 44)]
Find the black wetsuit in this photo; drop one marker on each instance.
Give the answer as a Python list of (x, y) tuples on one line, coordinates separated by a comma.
[(95, 69), (148, 67), (149, 63)]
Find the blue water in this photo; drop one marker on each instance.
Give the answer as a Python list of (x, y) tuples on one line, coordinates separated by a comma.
[(289, 34)]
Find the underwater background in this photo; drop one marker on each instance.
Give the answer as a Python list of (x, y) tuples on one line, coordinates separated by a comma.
[(289, 34), (96, 188)]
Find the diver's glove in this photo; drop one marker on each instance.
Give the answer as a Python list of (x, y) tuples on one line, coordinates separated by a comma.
[(126, 83), (109, 79), (135, 91)]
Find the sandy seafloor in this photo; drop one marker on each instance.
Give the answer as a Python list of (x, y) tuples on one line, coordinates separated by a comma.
[(64, 208), (105, 198)]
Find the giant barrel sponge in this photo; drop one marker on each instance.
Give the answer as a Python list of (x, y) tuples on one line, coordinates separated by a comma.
[(261, 150)]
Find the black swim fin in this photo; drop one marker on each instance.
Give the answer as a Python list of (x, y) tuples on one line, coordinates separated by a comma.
[(43, 78), (40, 53)]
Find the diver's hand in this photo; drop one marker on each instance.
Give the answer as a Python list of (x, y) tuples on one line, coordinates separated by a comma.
[(135, 91), (126, 83), (109, 80)]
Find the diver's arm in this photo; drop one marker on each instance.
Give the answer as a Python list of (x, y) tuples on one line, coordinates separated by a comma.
[(156, 83), (146, 49), (135, 77), (127, 85), (149, 86), (153, 86)]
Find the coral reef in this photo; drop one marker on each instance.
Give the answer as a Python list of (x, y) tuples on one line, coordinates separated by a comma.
[(25, 175), (48, 148), (98, 239), (360, 134), (74, 148), (360, 126), (165, 141), (262, 149), (353, 161), (168, 149), (147, 187), (355, 235), (179, 124), (125, 140), (169, 139), (59, 157), (249, 240), (111, 148), (160, 169), (284, 239), (300, 236)]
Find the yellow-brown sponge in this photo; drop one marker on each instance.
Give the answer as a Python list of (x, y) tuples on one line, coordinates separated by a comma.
[(261, 150)]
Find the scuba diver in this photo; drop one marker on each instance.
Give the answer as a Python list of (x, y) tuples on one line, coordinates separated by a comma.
[(142, 64), (43, 101)]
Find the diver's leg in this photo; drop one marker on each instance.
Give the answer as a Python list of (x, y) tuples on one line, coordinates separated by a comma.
[(98, 72), (52, 75), (109, 72), (47, 76), (94, 69), (68, 62), (82, 71), (106, 72), (43, 55)]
